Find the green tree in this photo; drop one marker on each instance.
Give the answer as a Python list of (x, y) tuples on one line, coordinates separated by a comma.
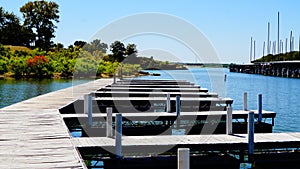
[(131, 50), (79, 43), (3, 65), (17, 66), (58, 46), (39, 16), (99, 45), (11, 31), (131, 53), (95, 45), (118, 51)]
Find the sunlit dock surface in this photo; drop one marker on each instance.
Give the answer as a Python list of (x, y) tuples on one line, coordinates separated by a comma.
[(34, 133)]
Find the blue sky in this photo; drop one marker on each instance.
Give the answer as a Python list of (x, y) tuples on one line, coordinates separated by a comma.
[(228, 24)]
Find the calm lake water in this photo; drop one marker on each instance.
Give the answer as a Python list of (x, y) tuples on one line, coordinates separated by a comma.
[(279, 94), (13, 90)]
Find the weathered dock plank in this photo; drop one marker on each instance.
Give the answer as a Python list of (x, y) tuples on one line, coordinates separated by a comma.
[(150, 82), (195, 142), (153, 93), (154, 89), (154, 86), (153, 115), (33, 134), (221, 100)]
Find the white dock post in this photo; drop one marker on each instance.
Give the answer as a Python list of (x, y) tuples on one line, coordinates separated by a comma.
[(87, 107), (250, 135), (229, 121), (259, 107), (118, 132), (85, 103), (245, 101), (183, 158), (114, 78), (90, 110), (121, 72), (109, 129), (178, 111), (168, 103)]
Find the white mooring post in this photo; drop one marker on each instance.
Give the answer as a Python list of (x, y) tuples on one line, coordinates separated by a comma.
[(85, 103), (183, 158), (259, 107), (250, 135), (178, 111), (245, 101), (115, 77), (90, 110), (121, 72), (168, 103), (118, 132), (229, 121), (109, 129), (88, 107)]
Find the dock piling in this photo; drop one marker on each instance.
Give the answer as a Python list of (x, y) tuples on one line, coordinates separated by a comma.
[(178, 111), (90, 110), (245, 101), (87, 108), (118, 133), (115, 80), (183, 158), (85, 103), (250, 135), (121, 72), (259, 107), (168, 103), (109, 129), (229, 121)]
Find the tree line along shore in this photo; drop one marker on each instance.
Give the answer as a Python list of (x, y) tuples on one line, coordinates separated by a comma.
[(88, 60), (27, 49)]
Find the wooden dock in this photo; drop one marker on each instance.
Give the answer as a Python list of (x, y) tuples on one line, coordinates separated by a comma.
[(237, 114), (154, 86), (217, 142), (152, 93), (149, 89), (33, 134)]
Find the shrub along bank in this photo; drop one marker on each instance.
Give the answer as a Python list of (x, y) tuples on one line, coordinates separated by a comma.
[(62, 62)]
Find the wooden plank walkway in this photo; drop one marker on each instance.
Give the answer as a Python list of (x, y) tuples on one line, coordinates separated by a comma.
[(154, 82), (151, 144), (154, 86), (183, 99), (154, 89), (154, 93), (33, 134), (151, 115)]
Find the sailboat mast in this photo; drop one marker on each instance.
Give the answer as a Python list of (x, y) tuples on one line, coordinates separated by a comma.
[(264, 48), (251, 49), (254, 50), (278, 36), (268, 47)]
